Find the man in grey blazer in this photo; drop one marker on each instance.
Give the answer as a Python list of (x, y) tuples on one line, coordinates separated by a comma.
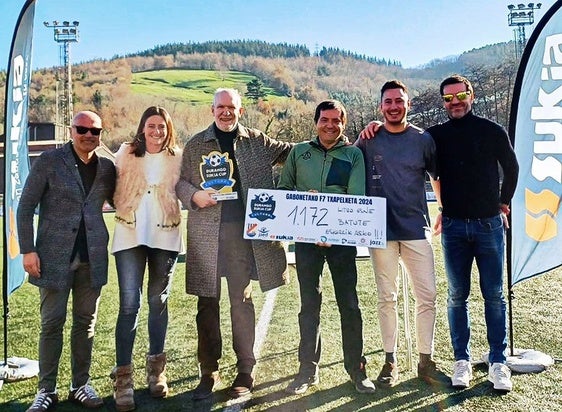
[(215, 244), (70, 185)]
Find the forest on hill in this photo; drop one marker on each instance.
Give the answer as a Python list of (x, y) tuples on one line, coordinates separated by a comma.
[(293, 80)]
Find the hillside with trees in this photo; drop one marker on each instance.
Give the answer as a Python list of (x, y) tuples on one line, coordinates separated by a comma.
[(291, 71)]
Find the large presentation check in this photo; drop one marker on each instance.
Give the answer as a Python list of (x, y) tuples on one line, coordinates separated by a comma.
[(315, 217)]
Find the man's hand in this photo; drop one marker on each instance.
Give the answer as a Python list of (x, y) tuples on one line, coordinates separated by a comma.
[(504, 211), (32, 264), (370, 130), (323, 244), (202, 199), (504, 208), (437, 226)]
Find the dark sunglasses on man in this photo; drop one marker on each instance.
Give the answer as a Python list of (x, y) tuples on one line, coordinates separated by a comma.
[(95, 131)]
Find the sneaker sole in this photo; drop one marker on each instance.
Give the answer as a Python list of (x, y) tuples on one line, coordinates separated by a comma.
[(501, 388), (303, 388), (387, 384), (298, 391), (80, 403), (239, 392), (459, 385), (233, 393), (368, 390)]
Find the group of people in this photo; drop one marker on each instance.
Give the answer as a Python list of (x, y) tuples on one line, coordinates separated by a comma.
[(151, 178)]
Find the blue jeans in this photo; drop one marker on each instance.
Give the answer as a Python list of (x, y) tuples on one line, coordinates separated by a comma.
[(466, 240), (131, 265)]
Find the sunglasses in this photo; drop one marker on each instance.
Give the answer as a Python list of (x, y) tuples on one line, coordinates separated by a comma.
[(460, 95), (96, 131)]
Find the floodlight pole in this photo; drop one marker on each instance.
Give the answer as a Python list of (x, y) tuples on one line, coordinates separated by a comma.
[(64, 34), (519, 16)]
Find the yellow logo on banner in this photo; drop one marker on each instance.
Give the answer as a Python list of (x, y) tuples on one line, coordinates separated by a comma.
[(13, 245), (545, 204)]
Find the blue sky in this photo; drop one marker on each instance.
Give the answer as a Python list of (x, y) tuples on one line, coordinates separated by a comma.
[(411, 31)]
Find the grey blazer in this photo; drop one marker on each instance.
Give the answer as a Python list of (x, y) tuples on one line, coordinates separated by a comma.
[(54, 184), (255, 155)]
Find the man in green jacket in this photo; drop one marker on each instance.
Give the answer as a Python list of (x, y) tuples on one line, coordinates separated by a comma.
[(327, 164)]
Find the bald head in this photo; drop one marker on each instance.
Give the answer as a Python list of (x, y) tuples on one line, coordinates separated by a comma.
[(87, 116), (86, 130)]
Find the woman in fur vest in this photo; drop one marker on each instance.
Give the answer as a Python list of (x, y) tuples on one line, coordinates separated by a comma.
[(147, 230)]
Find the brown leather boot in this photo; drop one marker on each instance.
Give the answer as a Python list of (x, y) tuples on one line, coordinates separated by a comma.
[(123, 391), (155, 378)]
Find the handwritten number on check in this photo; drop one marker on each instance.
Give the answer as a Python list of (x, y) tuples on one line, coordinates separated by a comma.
[(316, 217)]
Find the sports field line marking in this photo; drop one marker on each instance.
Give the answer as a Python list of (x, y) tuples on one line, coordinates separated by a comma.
[(236, 405)]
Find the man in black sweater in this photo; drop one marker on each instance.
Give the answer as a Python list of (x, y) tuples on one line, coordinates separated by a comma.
[(473, 206)]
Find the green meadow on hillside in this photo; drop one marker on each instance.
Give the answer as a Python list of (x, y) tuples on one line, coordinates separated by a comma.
[(193, 86)]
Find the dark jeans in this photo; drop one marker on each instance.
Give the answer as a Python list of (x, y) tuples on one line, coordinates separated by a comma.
[(466, 240), (131, 264), (236, 263), (341, 261), (53, 316)]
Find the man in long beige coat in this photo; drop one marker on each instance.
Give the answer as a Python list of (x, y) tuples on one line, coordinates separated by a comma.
[(215, 244)]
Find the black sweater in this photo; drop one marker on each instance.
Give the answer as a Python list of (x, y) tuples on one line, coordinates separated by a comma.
[(468, 152)]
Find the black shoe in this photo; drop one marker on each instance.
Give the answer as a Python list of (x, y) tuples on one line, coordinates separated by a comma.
[(242, 385), (85, 396), (428, 372), (362, 383), (43, 401), (207, 385), (388, 377), (301, 383)]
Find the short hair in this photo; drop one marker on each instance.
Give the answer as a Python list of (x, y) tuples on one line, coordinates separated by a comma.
[(329, 105), (235, 94), (454, 79), (139, 141), (393, 84)]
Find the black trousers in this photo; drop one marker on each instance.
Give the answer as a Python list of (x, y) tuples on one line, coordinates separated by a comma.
[(236, 263), (341, 261)]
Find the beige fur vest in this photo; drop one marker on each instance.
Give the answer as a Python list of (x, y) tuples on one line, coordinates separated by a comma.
[(132, 184)]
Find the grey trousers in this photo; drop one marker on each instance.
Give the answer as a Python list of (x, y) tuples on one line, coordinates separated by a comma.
[(53, 316)]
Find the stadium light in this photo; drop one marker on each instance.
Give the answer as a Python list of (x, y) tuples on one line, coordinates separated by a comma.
[(64, 35), (520, 17)]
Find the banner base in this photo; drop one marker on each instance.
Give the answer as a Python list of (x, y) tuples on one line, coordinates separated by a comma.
[(18, 369), (526, 361)]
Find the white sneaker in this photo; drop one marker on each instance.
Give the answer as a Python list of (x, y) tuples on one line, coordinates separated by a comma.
[(462, 374), (500, 375)]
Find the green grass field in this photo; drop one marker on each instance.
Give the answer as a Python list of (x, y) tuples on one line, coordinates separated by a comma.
[(537, 325), (192, 86)]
